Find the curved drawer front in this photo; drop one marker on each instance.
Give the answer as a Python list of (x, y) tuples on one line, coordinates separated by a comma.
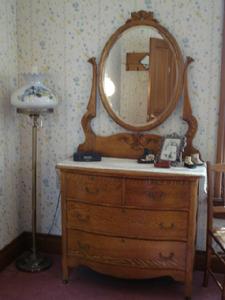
[(127, 222), (162, 194), (94, 189), (127, 252)]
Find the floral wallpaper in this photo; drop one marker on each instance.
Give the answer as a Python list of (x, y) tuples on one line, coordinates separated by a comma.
[(9, 131), (60, 36)]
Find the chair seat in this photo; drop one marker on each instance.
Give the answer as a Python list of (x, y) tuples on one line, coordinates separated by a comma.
[(219, 233)]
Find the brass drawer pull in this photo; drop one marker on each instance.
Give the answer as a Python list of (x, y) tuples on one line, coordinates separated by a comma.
[(81, 218), (165, 227), (166, 258), (92, 192)]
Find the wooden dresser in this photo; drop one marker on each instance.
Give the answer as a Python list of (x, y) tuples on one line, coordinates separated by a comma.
[(129, 220), (118, 217)]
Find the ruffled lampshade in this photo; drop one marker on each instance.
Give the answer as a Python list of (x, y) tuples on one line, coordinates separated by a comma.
[(34, 96)]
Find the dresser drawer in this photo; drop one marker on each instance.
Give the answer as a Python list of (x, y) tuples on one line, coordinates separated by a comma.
[(94, 189), (127, 252), (123, 222), (162, 194)]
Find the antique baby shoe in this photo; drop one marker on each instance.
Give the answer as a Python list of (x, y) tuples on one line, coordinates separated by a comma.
[(147, 158), (196, 160), (188, 162)]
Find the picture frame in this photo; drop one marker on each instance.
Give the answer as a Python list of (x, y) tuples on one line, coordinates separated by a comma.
[(172, 146)]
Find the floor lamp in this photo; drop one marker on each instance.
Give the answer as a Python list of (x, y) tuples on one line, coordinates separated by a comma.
[(34, 100)]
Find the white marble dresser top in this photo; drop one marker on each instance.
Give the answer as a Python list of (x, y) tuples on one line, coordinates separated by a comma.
[(110, 163)]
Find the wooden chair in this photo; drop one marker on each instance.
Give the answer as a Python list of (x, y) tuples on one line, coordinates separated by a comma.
[(215, 245)]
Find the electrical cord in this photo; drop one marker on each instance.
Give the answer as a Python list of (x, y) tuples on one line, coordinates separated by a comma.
[(54, 217)]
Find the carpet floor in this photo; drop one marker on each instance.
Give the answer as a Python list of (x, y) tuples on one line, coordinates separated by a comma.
[(87, 285)]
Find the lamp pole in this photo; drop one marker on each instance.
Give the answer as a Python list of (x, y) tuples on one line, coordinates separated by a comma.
[(34, 183), (33, 261)]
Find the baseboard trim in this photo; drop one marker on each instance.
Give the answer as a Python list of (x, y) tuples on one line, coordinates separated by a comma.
[(47, 243), (52, 244), (10, 252)]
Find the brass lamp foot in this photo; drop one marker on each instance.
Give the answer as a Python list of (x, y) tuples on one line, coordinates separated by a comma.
[(29, 262)]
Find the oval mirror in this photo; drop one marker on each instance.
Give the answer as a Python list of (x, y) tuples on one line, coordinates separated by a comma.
[(140, 75)]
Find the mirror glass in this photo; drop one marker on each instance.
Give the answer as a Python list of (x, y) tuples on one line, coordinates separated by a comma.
[(139, 75)]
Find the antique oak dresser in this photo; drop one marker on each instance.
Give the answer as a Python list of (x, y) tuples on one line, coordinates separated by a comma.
[(130, 222), (119, 217)]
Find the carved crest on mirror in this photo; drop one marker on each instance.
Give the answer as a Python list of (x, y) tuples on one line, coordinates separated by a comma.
[(141, 76)]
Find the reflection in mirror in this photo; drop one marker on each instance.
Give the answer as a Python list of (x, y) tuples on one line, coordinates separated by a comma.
[(139, 75)]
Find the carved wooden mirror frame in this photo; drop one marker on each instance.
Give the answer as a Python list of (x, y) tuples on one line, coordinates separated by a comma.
[(131, 145), (146, 19)]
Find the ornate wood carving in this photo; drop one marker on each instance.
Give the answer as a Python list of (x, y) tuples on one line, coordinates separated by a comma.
[(91, 110), (187, 113), (130, 144), (123, 145), (142, 15), (160, 262)]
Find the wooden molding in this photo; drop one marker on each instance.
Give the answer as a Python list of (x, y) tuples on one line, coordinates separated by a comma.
[(12, 251), (45, 242), (90, 136), (187, 113)]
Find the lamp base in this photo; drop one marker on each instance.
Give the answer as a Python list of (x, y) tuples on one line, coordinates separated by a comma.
[(29, 262)]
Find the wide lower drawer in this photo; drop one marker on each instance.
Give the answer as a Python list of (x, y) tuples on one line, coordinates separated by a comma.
[(127, 252), (135, 223), (166, 194), (94, 189)]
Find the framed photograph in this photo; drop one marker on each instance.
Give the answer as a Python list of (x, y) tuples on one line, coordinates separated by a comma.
[(172, 146)]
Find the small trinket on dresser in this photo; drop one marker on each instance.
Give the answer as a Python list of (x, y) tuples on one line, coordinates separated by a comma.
[(196, 159), (162, 164), (147, 157), (188, 163)]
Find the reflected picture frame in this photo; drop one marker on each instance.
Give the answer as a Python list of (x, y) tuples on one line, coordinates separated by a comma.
[(172, 146)]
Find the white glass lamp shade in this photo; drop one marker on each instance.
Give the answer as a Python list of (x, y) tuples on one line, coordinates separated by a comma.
[(34, 96)]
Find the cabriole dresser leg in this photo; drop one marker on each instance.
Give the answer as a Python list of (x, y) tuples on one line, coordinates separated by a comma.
[(188, 290), (65, 273)]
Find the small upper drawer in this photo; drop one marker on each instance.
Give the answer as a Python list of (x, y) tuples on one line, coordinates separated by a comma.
[(161, 193), (94, 189)]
